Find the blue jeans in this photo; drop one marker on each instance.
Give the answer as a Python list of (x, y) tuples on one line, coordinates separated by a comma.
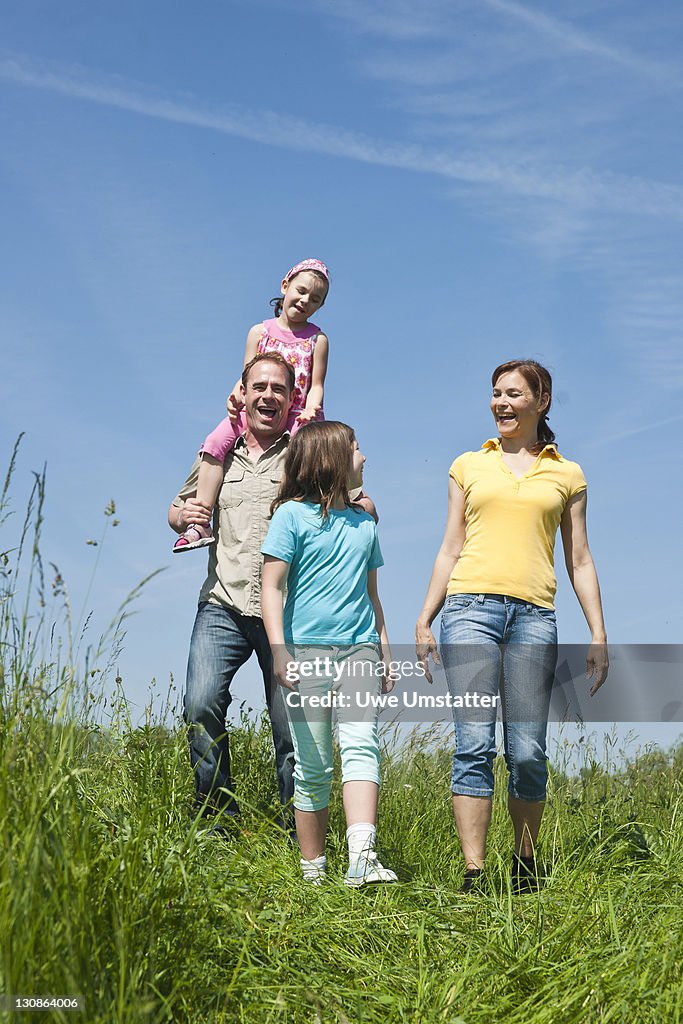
[(506, 648), (222, 641)]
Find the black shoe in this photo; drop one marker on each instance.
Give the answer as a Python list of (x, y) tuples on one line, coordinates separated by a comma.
[(217, 816), (225, 826), (214, 805), (524, 877), (472, 883)]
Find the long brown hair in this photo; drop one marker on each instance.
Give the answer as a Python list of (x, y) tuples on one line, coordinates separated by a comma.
[(317, 466), (541, 383)]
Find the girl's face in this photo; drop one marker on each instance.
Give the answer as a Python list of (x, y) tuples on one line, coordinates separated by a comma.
[(303, 295), (356, 469), (515, 408)]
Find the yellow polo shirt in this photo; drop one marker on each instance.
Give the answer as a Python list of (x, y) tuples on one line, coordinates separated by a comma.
[(511, 523)]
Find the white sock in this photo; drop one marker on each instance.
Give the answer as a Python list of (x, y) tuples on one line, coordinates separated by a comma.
[(312, 869), (361, 839)]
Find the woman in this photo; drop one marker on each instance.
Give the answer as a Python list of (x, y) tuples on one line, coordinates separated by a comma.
[(329, 642), (494, 576)]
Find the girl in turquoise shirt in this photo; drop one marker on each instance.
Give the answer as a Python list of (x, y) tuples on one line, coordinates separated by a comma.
[(329, 644)]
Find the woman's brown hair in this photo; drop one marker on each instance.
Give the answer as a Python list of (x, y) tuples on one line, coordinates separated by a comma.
[(317, 466), (541, 383)]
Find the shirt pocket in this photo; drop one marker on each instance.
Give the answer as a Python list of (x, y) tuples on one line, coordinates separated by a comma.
[(274, 481), (232, 492)]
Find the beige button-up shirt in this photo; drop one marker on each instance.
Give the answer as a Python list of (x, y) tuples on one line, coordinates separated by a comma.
[(240, 524)]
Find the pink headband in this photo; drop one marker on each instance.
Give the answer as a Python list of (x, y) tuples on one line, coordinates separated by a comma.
[(308, 265)]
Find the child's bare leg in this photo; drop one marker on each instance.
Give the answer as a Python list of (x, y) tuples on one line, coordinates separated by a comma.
[(311, 830), (360, 807), (209, 483), (210, 480), (360, 802)]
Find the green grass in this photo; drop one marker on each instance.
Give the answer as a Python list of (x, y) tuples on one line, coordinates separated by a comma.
[(110, 891)]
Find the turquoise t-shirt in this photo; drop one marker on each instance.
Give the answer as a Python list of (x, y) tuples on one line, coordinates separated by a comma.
[(327, 597)]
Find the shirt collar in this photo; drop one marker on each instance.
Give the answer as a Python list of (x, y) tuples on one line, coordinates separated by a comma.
[(283, 439), (493, 444)]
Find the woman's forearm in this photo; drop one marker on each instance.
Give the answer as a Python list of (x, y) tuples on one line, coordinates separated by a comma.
[(438, 583), (584, 580)]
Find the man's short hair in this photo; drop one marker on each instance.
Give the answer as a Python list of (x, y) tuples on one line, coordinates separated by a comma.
[(271, 357)]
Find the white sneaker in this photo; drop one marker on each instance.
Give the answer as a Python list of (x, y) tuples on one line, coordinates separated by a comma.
[(314, 871), (368, 869)]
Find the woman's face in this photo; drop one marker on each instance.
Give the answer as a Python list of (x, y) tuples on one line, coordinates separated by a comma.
[(356, 470), (515, 408)]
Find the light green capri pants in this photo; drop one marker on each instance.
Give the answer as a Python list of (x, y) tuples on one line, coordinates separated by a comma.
[(348, 679)]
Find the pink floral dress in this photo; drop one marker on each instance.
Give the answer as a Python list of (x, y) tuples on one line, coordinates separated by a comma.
[(297, 348)]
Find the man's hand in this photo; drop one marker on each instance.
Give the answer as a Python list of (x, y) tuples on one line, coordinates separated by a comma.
[(234, 404), (425, 646), (193, 511), (367, 504), (597, 665)]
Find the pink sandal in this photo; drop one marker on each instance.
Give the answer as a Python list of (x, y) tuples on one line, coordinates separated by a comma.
[(195, 536)]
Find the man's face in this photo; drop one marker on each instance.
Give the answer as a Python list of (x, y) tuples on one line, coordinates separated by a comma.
[(267, 398)]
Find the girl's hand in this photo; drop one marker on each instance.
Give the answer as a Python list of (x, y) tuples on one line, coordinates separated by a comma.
[(425, 646), (282, 670), (234, 405), (307, 415), (390, 678), (597, 664)]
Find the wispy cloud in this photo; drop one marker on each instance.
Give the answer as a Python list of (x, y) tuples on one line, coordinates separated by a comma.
[(582, 188), (578, 41), (391, 19), (403, 20), (643, 428)]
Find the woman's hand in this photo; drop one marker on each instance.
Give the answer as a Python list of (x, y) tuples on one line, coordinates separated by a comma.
[(425, 646), (283, 669), (597, 665)]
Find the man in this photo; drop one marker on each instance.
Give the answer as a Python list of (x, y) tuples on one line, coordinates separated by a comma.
[(228, 627)]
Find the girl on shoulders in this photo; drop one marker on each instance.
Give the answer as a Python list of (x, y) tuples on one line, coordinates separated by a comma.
[(329, 644), (304, 290)]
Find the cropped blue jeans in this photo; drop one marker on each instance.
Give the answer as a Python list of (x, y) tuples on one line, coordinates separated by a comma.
[(349, 676), (507, 648)]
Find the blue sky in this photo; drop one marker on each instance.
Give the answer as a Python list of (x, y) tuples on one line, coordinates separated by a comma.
[(484, 179)]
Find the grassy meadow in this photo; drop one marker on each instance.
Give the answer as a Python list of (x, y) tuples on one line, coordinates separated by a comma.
[(110, 891)]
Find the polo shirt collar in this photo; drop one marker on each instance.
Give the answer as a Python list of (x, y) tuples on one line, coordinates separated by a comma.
[(493, 444)]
